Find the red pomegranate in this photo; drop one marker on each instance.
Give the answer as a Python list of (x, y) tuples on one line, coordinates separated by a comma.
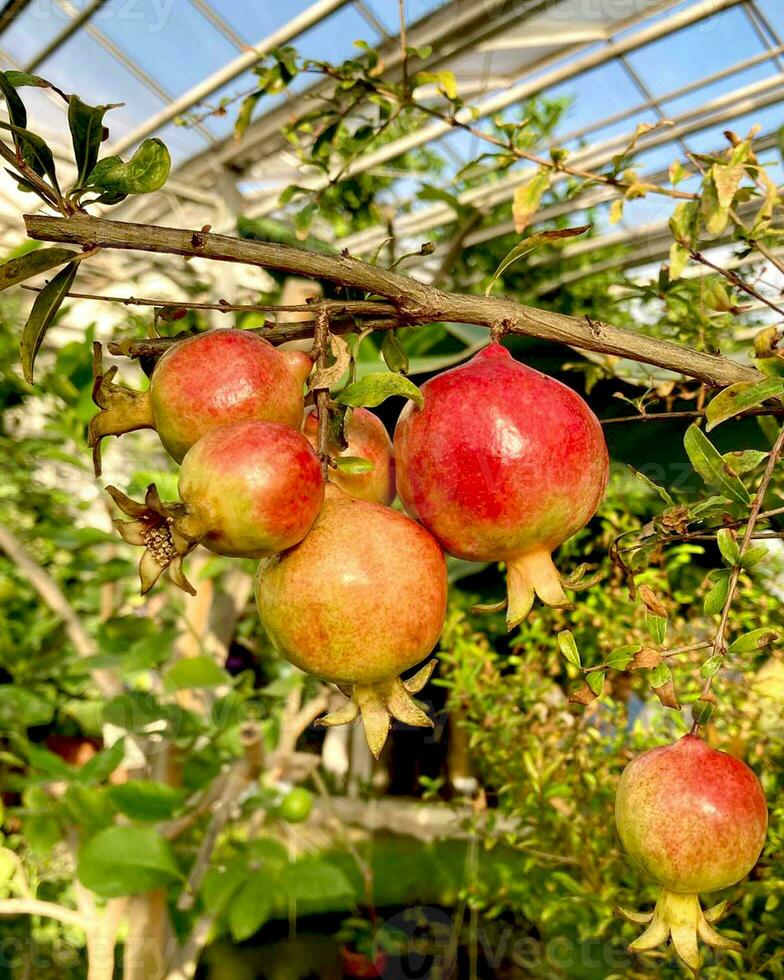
[(367, 439), (246, 490), (694, 819), (212, 379), (502, 464), (361, 599)]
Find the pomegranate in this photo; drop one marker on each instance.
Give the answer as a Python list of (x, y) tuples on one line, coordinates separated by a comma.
[(695, 820), (502, 464), (367, 439), (360, 600), (212, 379), (246, 490)]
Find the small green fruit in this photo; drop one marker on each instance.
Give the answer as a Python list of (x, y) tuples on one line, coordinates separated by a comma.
[(296, 806)]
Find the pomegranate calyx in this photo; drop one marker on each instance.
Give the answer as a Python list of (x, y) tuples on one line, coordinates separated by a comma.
[(155, 529), (121, 408), (532, 575), (379, 703), (679, 917)]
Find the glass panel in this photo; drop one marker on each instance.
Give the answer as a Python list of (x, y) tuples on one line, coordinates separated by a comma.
[(696, 51), (178, 48)]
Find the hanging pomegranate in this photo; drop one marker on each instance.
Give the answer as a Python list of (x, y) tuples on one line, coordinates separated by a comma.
[(361, 599), (694, 819), (212, 379), (246, 490), (502, 463)]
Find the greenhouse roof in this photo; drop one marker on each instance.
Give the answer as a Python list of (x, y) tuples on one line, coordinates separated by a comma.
[(706, 65)]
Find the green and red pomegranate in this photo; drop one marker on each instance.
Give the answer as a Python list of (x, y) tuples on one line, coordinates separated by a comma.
[(249, 490), (359, 601), (206, 381), (502, 464), (693, 819), (366, 439)]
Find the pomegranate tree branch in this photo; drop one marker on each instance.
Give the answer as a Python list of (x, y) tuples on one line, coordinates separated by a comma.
[(719, 646), (415, 302), (333, 306)]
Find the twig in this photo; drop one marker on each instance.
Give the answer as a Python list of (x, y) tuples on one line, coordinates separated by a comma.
[(733, 278), (719, 647), (401, 6), (47, 193), (335, 307), (275, 333), (689, 414), (415, 301), (243, 773), (553, 165), (48, 910)]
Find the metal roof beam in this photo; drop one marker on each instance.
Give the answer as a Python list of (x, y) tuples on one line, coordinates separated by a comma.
[(308, 18), (73, 25), (526, 89)]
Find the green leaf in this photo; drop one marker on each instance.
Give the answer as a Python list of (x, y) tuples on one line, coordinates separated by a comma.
[(315, 881), (245, 114), (44, 310), (753, 556), (744, 460), (250, 907), (755, 640), (376, 387), (48, 763), (146, 800), (702, 711), (656, 626), (22, 708), (88, 808), (146, 171), (103, 764), (195, 672), (740, 397), (126, 861), (87, 134), (728, 546), (134, 711), (595, 680), (568, 647), (717, 595), (16, 108), (621, 657), (665, 496), (708, 462), (221, 883), (660, 675), (36, 154), (711, 666), (394, 353), (32, 264), (528, 245), (354, 465)]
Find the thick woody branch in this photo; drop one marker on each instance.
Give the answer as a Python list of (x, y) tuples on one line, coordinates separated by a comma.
[(415, 301)]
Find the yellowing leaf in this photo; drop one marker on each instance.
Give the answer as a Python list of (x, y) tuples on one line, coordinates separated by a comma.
[(527, 198)]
